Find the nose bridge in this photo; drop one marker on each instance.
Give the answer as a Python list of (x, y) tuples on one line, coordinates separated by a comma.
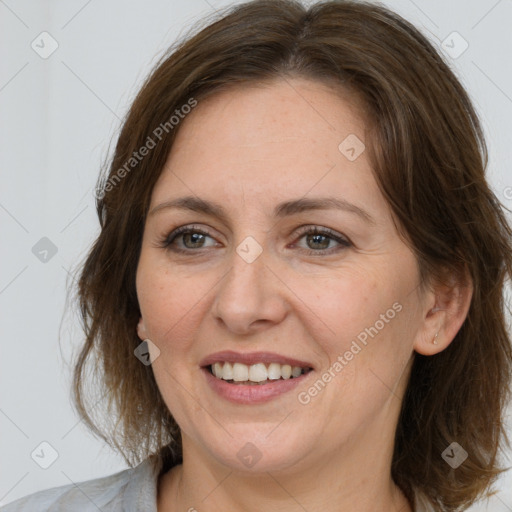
[(249, 292)]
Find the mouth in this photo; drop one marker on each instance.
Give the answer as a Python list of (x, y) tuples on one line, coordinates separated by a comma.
[(255, 374), (253, 378)]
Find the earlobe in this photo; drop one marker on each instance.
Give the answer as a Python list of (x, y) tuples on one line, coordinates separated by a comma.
[(141, 330), (444, 318), (429, 345)]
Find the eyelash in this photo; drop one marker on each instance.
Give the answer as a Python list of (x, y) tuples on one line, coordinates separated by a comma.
[(167, 242)]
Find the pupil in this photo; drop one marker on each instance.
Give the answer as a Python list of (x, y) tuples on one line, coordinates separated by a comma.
[(316, 239), (194, 236)]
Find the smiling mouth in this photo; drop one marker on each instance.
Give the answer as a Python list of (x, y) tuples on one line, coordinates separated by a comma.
[(255, 374)]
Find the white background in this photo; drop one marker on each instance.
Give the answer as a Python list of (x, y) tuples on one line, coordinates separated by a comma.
[(57, 118)]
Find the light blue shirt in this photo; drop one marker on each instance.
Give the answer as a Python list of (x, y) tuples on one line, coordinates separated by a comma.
[(131, 490)]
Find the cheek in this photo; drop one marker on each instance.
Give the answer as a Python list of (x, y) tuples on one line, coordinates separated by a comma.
[(349, 300), (167, 299), (174, 308), (365, 314), (370, 349)]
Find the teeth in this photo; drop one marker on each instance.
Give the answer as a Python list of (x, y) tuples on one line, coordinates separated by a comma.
[(258, 372), (274, 371), (239, 372), (296, 371), (286, 371), (217, 370), (226, 372)]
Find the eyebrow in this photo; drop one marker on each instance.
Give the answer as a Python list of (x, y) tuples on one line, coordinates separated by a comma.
[(283, 209)]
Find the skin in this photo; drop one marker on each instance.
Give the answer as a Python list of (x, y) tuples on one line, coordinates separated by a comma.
[(249, 149)]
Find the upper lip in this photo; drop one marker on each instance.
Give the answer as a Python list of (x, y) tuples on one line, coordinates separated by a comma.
[(250, 358)]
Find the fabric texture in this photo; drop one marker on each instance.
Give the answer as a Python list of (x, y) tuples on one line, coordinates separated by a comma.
[(130, 490)]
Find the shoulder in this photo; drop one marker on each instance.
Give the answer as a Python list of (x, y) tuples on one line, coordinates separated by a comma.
[(129, 490)]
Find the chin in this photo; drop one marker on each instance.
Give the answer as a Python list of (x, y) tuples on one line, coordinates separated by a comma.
[(252, 452)]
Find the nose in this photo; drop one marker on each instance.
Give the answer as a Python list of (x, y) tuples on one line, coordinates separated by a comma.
[(250, 297)]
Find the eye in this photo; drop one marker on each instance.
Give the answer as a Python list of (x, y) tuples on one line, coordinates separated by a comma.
[(186, 238), (320, 240)]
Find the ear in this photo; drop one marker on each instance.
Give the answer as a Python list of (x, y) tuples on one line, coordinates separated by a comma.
[(446, 307), (141, 330)]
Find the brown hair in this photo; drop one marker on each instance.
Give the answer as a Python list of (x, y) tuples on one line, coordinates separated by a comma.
[(429, 158)]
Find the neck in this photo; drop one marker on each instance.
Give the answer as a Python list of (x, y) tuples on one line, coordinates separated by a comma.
[(343, 480), (269, 492)]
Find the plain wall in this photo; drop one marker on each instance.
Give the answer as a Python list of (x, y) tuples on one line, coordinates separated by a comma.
[(57, 118)]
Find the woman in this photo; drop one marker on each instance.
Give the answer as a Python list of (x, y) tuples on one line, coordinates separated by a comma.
[(296, 298)]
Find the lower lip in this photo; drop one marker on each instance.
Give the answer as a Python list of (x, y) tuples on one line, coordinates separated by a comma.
[(252, 394)]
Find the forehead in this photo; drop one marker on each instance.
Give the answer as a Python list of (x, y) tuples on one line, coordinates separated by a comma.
[(273, 112), (289, 135)]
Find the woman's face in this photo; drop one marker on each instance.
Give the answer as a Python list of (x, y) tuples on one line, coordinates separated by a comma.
[(250, 286)]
